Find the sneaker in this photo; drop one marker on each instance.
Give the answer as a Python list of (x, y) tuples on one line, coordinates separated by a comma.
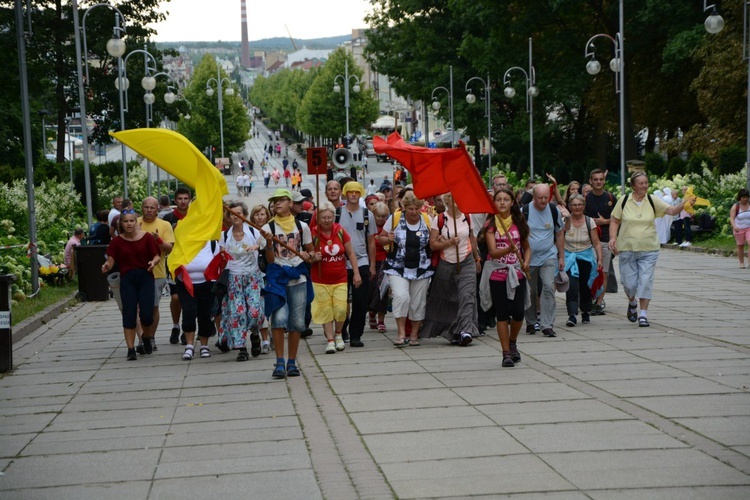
[(265, 348), (530, 330), (537, 327), (381, 328), (291, 369), (688, 244), (514, 354), (682, 245), (585, 318), (339, 343), (549, 332), (632, 313), (153, 344), (148, 347), (140, 349), (331, 347), (254, 344), (242, 355), (465, 339), (175, 336), (598, 310), (306, 333), (131, 355), (572, 321), (508, 361), (279, 370), (356, 343)]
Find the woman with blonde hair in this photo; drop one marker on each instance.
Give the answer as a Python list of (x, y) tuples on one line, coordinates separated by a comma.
[(408, 265)]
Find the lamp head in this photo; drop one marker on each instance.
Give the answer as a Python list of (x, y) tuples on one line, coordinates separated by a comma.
[(337, 88), (149, 98), (148, 83), (356, 88), (229, 91), (209, 92), (169, 97), (593, 67), (125, 83), (187, 116), (116, 46), (436, 105), (471, 98), (614, 64), (533, 91), (509, 92), (714, 23)]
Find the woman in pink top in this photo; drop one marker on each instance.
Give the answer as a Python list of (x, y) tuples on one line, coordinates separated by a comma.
[(504, 274)]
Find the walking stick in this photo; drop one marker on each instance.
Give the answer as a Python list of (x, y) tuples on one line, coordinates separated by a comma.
[(514, 248), (263, 233)]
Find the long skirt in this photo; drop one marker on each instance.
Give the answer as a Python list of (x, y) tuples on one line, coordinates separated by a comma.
[(452, 302), (242, 309)]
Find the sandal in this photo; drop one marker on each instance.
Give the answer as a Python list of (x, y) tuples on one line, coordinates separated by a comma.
[(401, 342), (414, 343), (643, 322), (205, 351), (381, 327), (243, 355), (373, 322), (188, 354)]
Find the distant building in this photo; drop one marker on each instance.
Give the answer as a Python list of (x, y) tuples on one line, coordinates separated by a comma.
[(305, 54)]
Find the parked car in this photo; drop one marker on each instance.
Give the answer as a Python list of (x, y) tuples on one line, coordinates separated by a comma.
[(369, 148)]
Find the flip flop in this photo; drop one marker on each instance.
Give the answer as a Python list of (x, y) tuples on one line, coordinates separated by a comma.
[(401, 342), (414, 343)]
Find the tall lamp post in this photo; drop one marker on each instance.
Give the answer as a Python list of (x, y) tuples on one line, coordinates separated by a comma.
[(337, 88), (471, 99), (617, 64), (436, 105), (229, 92), (714, 24), (149, 99), (531, 92), (115, 46)]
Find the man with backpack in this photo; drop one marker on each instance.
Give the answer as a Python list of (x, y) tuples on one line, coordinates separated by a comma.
[(359, 223), (599, 206), (547, 258)]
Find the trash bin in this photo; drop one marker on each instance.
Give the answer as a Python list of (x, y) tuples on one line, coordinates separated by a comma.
[(92, 282)]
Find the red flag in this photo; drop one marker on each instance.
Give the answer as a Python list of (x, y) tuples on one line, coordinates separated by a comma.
[(439, 171)]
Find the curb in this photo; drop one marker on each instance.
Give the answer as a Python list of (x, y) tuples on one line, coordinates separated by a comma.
[(697, 249), (31, 324)]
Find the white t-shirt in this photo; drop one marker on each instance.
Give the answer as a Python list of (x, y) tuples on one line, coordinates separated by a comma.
[(284, 257), (244, 253)]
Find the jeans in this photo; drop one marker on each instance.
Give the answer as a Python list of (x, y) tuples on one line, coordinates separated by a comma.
[(291, 316), (545, 272)]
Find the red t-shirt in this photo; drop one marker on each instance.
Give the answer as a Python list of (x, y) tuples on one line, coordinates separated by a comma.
[(380, 252), (131, 255), (332, 269)]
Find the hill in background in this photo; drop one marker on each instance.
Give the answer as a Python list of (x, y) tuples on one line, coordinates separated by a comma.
[(283, 44)]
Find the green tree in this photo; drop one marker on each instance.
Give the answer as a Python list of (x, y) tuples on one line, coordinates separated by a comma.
[(322, 112), (203, 126)]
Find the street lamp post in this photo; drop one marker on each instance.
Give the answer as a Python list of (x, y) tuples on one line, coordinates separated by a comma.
[(149, 99), (471, 99), (436, 105), (229, 92), (337, 88), (531, 92), (617, 64), (714, 24), (116, 45)]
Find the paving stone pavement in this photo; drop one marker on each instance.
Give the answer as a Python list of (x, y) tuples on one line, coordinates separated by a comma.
[(605, 410)]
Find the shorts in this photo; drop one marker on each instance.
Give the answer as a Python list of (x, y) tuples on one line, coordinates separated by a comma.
[(329, 303), (741, 236), (159, 284), (291, 316), (606, 256)]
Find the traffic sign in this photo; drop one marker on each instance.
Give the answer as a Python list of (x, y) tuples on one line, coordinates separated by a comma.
[(317, 161), (437, 132)]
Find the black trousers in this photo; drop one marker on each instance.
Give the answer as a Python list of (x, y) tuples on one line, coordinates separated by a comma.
[(355, 323)]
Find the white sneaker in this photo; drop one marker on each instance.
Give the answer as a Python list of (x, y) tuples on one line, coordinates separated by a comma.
[(265, 348), (331, 347), (687, 244), (682, 245), (340, 345)]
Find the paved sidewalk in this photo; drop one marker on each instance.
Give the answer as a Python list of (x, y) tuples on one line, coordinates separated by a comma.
[(606, 410)]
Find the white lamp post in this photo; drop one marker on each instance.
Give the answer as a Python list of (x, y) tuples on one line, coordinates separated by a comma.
[(337, 88), (118, 46), (436, 104), (531, 92), (471, 99), (229, 92), (617, 64)]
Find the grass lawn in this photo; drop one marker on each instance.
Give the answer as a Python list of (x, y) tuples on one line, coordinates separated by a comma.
[(46, 297), (725, 244)]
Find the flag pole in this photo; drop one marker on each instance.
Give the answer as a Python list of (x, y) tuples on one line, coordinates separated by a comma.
[(263, 233)]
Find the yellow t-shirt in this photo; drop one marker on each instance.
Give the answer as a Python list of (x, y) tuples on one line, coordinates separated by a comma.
[(637, 229), (164, 231)]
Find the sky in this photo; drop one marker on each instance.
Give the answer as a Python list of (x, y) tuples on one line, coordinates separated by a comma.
[(212, 20)]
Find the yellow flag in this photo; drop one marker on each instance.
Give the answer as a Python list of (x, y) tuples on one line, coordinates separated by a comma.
[(698, 201), (175, 154)]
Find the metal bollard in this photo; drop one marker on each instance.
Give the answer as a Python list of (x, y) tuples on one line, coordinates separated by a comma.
[(6, 334)]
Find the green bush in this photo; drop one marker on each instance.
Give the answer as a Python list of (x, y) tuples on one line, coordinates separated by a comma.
[(696, 161), (677, 166), (731, 160), (655, 164)]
